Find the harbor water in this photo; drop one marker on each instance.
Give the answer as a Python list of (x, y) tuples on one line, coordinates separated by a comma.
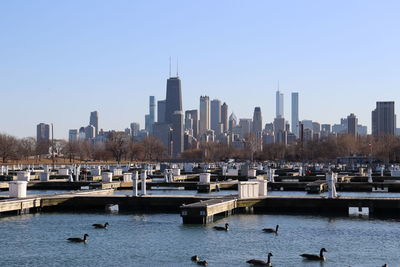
[(162, 240)]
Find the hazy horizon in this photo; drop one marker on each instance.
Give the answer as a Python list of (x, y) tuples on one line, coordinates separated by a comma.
[(60, 61)]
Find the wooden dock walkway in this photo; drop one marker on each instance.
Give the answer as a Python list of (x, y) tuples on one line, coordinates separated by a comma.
[(204, 212)]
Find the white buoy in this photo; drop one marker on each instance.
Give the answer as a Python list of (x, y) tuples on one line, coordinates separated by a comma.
[(369, 175), (331, 178), (143, 177), (135, 179), (18, 188)]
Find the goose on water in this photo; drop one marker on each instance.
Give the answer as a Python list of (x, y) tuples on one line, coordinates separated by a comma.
[(260, 262), (221, 228), (202, 263), (78, 239), (314, 257), (100, 226), (271, 230), (195, 258)]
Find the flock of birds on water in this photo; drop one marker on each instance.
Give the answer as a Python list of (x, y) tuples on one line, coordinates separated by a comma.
[(196, 259)]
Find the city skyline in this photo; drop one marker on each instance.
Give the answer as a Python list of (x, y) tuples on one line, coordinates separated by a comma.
[(99, 59)]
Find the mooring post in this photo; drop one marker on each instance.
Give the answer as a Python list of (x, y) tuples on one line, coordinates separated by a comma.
[(331, 178), (382, 170), (143, 180), (369, 175), (135, 179)]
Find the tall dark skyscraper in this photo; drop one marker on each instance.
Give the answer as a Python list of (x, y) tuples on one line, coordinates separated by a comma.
[(224, 117), (42, 132), (383, 118), (161, 111), (295, 113), (177, 133), (174, 98), (257, 121), (94, 121), (352, 123)]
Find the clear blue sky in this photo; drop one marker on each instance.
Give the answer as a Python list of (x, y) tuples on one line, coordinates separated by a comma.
[(59, 60)]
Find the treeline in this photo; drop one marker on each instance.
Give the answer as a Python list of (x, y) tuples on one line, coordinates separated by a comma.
[(118, 147)]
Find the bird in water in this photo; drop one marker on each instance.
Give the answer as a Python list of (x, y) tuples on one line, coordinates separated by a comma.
[(260, 262), (271, 230), (314, 257), (221, 228), (78, 239), (202, 263), (100, 226), (195, 258)]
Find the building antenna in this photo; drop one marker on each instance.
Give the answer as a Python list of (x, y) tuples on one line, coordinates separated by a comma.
[(169, 66), (177, 67)]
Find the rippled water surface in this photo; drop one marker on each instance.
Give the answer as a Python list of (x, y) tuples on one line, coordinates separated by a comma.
[(162, 240)]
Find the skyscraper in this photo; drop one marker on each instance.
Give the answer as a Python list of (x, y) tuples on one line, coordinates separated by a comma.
[(161, 111), (194, 114), (232, 121), (204, 124), (383, 118), (135, 128), (173, 99), (246, 126), (279, 104), (177, 133), (224, 117), (295, 114), (72, 135), (94, 121), (215, 114), (352, 123), (42, 132), (257, 121), (150, 118)]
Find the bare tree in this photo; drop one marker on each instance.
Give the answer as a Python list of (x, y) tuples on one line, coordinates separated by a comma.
[(26, 147), (153, 148), (117, 143), (8, 146)]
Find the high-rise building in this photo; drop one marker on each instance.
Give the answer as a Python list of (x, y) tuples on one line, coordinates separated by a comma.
[(94, 121), (150, 118), (90, 132), (42, 132), (215, 114), (152, 109), (232, 121), (204, 124), (257, 121), (247, 126), (295, 114), (384, 118), (173, 99), (163, 132), (73, 135), (279, 104), (135, 129), (177, 133), (161, 111), (194, 114), (352, 123), (224, 117)]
